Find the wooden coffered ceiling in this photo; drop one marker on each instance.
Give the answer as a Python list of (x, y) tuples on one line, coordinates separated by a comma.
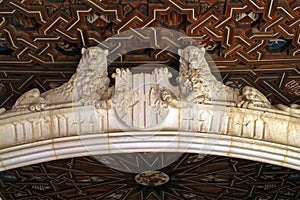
[(191, 177), (252, 42)]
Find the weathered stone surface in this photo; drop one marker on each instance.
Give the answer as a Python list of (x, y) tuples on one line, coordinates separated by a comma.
[(138, 118)]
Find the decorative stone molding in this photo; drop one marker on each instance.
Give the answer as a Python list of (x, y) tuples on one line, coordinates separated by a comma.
[(144, 112)]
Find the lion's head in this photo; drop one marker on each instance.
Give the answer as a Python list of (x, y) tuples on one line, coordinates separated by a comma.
[(94, 58), (191, 56)]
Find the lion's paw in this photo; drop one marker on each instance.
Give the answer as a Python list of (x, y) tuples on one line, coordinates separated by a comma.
[(121, 73), (37, 107), (103, 104), (162, 72)]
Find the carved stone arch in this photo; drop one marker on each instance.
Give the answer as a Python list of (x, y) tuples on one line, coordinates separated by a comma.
[(248, 128), (273, 137)]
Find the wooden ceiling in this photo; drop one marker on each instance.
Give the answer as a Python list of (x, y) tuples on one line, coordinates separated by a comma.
[(191, 177), (252, 42)]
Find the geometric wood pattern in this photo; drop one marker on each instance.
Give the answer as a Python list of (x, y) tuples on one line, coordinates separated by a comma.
[(192, 177), (15, 82), (252, 42), (279, 86), (50, 32)]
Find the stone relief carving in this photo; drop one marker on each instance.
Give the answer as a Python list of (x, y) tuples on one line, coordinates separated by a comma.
[(146, 103), (124, 96), (251, 97), (162, 76), (30, 100), (89, 84), (198, 85), (196, 81), (136, 98)]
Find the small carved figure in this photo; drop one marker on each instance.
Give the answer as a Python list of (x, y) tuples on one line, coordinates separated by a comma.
[(30, 100), (88, 85), (251, 97), (121, 90)]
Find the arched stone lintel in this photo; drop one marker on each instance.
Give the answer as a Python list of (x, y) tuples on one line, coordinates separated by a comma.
[(165, 141), (40, 126), (266, 124), (263, 135)]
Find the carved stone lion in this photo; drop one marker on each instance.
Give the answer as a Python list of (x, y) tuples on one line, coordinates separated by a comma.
[(196, 81), (198, 85), (89, 84)]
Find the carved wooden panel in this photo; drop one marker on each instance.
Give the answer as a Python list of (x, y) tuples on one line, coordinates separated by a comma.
[(192, 177)]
